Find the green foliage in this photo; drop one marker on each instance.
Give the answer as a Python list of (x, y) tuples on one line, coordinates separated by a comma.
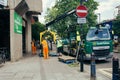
[(63, 6), (116, 26), (91, 17), (36, 29)]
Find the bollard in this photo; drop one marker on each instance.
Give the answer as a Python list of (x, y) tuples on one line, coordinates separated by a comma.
[(115, 70), (93, 67), (119, 73)]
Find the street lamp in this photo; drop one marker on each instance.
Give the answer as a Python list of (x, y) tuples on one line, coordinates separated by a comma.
[(99, 17)]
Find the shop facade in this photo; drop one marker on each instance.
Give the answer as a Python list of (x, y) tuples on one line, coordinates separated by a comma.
[(15, 25)]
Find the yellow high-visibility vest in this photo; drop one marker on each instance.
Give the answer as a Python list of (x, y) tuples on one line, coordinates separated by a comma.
[(78, 36), (59, 43)]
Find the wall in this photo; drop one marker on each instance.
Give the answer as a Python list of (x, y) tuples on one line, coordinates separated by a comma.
[(13, 3), (35, 5), (28, 35), (15, 40), (118, 7)]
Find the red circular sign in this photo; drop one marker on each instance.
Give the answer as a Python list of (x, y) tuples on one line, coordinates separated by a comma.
[(81, 11)]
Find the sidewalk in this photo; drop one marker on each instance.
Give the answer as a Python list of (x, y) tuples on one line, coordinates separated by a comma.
[(36, 68), (25, 69)]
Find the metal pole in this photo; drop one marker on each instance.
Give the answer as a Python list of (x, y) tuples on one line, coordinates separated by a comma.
[(82, 61), (119, 73), (81, 1), (81, 50), (51, 44), (99, 17)]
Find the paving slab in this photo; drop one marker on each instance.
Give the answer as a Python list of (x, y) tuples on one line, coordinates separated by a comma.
[(38, 68)]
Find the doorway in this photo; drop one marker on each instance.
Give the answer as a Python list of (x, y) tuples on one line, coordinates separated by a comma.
[(5, 31)]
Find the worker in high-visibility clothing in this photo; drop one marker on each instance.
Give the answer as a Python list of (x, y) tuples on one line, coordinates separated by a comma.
[(33, 47), (45, 49), (59, 47)]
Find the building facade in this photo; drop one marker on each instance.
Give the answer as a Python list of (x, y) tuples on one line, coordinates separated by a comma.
[(18, 27), (118, 10)]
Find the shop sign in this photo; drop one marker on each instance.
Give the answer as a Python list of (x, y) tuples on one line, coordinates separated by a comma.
[(17, 23)]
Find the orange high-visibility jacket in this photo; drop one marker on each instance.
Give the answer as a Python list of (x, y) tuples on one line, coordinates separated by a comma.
[(44, 44)]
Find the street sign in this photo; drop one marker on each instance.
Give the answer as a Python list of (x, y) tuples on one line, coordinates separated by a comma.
[(17, 23), (81, 11), (81, 20)]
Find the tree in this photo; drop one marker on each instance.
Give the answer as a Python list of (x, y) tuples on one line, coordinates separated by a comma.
[(37, 27), (63, 6), (116, 26)]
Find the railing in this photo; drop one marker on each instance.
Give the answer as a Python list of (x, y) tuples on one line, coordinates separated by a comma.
[(3, 52)]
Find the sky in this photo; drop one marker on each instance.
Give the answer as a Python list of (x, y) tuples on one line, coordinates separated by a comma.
[(46, 4), (107, 9)]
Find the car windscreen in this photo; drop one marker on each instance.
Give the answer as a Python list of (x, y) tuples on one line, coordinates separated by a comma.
[(98, 34)]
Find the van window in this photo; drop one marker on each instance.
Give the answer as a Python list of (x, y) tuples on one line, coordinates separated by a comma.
[(98, 34)]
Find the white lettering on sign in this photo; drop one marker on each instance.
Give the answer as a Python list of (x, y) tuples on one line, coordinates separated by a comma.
[(82, 11), (81, 20)]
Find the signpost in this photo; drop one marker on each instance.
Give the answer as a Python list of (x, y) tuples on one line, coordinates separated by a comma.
[(81, 12)]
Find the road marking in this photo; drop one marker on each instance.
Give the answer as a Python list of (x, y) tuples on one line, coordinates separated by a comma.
[(104, 71)]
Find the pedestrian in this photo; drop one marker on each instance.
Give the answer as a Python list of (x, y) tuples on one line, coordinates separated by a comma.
[(33, 47), (41, 50), (116, 45), (59, 47), (50, 44), (45, 49)]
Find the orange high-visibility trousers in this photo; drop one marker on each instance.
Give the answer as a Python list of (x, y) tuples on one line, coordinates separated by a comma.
[(45, 49), (45, 53), (33, 48)]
